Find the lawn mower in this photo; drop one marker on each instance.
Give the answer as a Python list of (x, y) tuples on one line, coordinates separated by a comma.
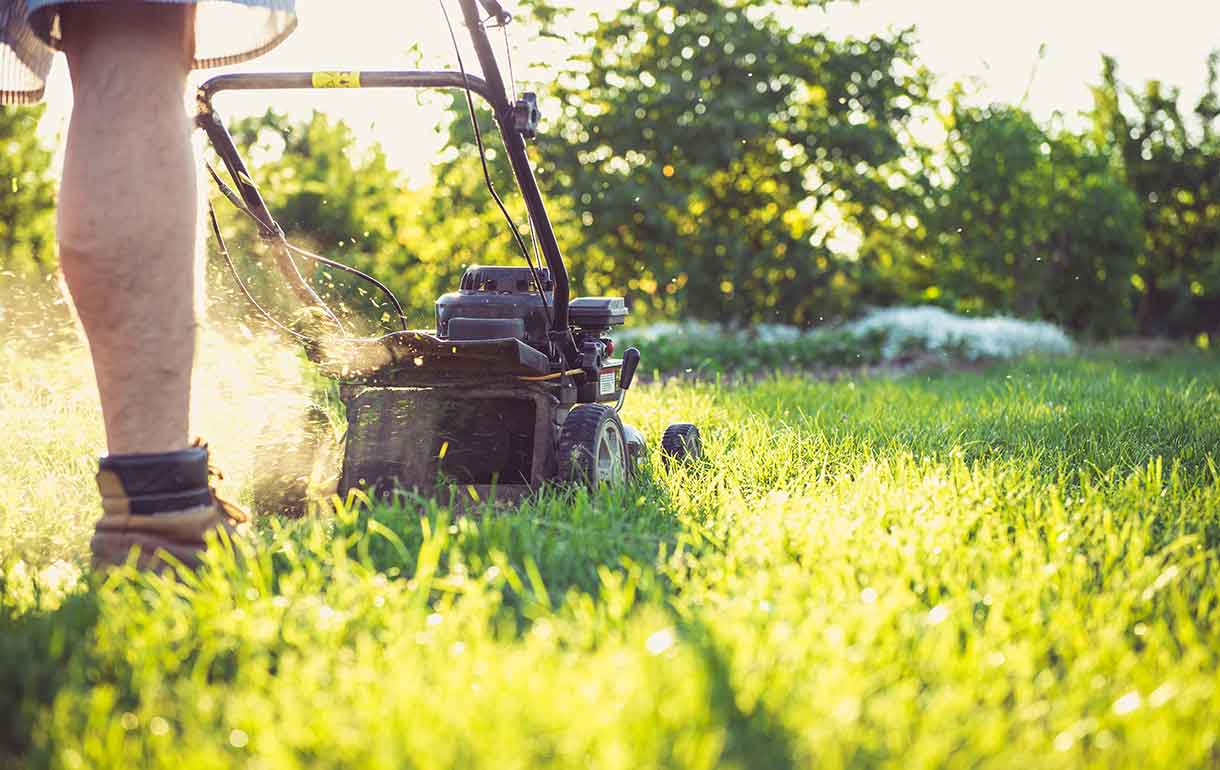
[(517, 386)]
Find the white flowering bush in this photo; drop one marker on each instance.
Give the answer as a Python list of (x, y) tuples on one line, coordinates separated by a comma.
[(935, 330), (667, 330), (881, 336)]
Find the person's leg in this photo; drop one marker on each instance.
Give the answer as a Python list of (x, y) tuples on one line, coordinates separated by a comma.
[(127, 234), (127, 214)]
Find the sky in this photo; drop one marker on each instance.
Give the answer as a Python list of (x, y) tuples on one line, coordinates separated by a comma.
[(997, 42), (992, 43)]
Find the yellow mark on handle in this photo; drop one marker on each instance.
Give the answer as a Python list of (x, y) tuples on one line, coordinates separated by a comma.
[(444, 449), (330, 79)]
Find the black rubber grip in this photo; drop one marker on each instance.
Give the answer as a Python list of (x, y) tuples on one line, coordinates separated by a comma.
[(631, 359)]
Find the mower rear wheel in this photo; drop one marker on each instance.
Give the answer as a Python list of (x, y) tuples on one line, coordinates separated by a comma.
[(681, 443), (592, 447)]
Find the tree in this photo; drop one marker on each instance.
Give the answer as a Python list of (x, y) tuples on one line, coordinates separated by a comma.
[(1031, 223), (710, 152), (27, 195), (699, 156), (1172, 162), (332, 197), (457, 222)]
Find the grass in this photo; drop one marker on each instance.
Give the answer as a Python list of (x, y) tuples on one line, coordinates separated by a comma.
[(1009, 568)]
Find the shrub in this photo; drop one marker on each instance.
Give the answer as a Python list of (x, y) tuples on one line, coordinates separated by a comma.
[(883, 336)]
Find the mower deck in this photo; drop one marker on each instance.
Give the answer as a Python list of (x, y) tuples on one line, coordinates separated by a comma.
[(422, 358), (486, 436)]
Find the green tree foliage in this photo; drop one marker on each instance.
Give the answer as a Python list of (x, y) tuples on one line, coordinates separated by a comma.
[(707, 151), (333, 197), (1172, 161), (702, 157), (27, 195), (1031, 223), (464, 226)]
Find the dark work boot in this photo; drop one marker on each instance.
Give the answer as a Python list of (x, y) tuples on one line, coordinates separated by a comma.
[(160, 503)]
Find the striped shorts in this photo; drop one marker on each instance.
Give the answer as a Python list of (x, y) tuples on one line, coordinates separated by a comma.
[(226, 32)]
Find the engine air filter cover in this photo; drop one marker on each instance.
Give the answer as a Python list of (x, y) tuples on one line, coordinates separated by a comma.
[(597, 312)]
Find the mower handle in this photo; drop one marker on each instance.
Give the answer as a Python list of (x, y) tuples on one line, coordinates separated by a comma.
[(497, 11), (490, 87), (514, 146)]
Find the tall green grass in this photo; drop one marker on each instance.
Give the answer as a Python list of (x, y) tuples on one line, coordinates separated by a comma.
[(1013, 568)]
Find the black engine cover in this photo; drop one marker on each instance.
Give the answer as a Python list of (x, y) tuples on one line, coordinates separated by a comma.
[(489, 299)]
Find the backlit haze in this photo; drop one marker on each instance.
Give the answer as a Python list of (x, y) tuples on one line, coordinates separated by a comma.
[(991, 43)]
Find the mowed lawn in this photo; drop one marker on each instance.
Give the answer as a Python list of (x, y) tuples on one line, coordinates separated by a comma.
[(1015, 567)]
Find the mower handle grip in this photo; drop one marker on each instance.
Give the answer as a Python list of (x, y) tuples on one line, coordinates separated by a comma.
[(631, 359)]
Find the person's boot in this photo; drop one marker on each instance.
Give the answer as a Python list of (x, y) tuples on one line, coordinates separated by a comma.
[(161, 503)]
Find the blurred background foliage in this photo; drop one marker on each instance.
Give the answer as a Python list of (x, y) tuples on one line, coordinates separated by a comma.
[(27, 218), (712, 162)]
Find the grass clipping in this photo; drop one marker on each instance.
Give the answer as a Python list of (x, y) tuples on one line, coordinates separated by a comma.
[(253, 400)]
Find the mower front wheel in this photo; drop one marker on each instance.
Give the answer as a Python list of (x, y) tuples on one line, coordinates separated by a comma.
[(592, 447), (681, 443)]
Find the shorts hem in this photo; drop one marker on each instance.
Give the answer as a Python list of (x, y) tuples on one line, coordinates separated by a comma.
[(21, 98), (254, 53)]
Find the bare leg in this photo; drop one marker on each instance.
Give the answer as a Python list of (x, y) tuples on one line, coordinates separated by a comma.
[(127, 214)]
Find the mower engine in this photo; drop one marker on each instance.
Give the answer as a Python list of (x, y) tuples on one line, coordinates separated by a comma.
[(477, 406), (497, 302)]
